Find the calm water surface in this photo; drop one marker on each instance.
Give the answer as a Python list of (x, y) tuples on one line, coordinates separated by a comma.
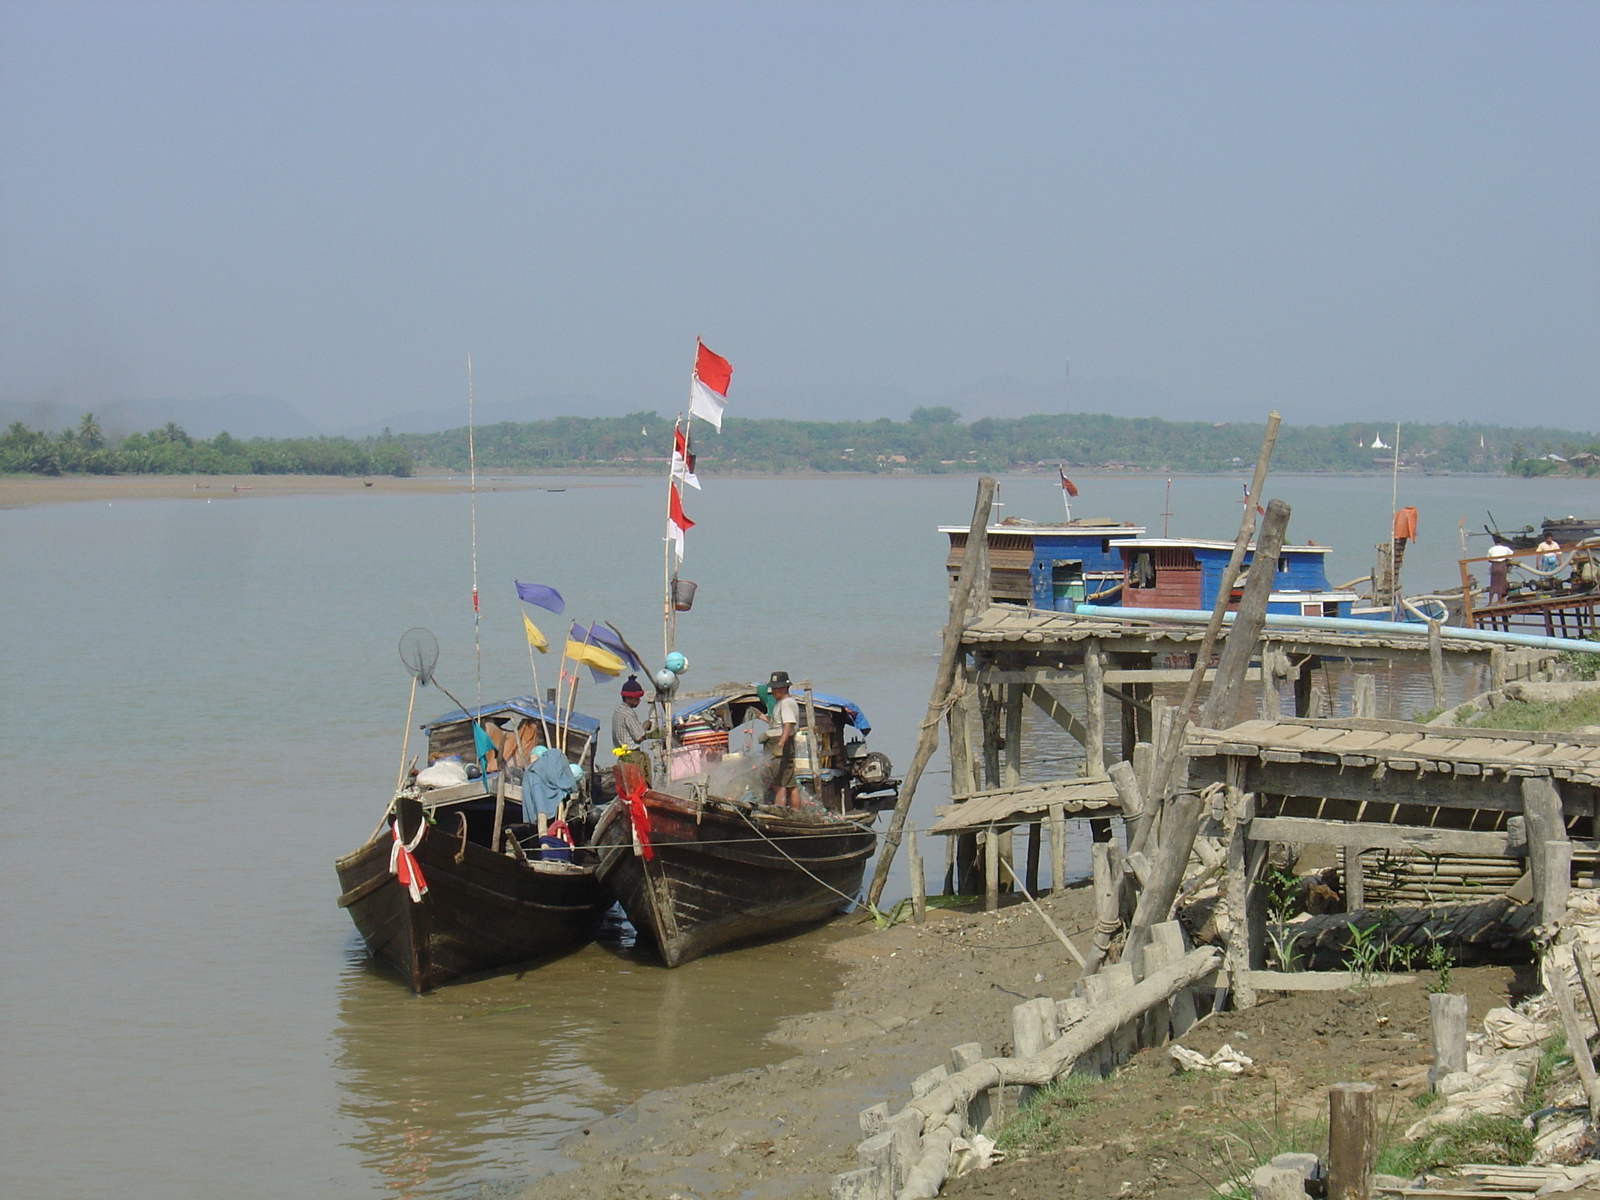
[(199, 706)]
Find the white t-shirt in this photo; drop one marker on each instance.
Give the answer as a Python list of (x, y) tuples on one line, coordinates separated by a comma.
[(787, 712)]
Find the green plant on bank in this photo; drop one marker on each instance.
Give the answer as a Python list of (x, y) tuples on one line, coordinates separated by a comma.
[(1439, 961), (1046, 1121), (1558, 715), (1581, 666), (1281, 887), (1361, 951)]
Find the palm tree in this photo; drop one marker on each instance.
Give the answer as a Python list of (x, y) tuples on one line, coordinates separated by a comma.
[(89, 433)]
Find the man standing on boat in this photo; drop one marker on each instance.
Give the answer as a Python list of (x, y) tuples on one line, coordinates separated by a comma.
[(628, 728), (785, 720)]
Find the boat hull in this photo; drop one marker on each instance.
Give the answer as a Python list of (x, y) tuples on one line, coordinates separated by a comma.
[(724, 875), (482, 911)]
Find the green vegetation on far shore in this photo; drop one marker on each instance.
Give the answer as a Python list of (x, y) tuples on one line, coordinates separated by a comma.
[(84, 450), (932, 441)]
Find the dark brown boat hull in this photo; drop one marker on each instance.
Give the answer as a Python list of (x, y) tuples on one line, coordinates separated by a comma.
[(714, 881), (481, 913)]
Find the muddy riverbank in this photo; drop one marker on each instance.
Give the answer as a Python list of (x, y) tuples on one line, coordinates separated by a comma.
[(909, 994)]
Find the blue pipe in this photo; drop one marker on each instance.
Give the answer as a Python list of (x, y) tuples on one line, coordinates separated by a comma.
[(1194, 616)]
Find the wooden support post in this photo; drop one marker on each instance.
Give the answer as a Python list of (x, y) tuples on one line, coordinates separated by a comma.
[(1355, 888), (980, 1112), (991, 869), (499, 812), (1556, 976), (1364, 696), (1554, 859), (1013, 768), (919, 885), (1120, 981), (1449, 1017), (1436, 662), (1302, 686), (960, 736), (1035, 832), (1058, 847), (928, 738), (1546, 829), (1497, 669), (1105, 901), (1094, 699), (1033, 1028), (989, 720), (876, 1156), (1008, 843), (1135, 811), (1586, 976), (1169, 935), (1237, 886), (1352, 1140), (1271, 702), (1143, 760)]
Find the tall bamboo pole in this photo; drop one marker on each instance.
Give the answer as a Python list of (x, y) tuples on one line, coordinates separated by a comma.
[(944, 677)]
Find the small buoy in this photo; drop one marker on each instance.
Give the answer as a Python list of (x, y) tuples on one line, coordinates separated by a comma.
[(677, 663), (665, 680)]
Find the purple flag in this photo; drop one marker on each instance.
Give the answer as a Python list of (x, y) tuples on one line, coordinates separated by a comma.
[(601, 636), (544, 597)]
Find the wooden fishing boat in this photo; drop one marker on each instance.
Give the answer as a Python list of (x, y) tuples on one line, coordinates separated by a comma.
[(488, 897), (699, 873)]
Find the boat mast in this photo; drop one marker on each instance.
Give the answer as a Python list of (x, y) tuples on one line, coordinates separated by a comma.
[(472, 473), (1394, 507)]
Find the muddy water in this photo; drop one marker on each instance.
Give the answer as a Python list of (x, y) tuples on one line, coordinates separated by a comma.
[(201, 707), (478, 1081)]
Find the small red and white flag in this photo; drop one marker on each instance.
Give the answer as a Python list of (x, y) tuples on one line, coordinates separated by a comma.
[(683, 458), (1260, 512), (403, 864), (677, 523), (708, 386), (1067, 485)]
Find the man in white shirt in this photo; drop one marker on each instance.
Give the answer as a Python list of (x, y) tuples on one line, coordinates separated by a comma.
[(785, 721)]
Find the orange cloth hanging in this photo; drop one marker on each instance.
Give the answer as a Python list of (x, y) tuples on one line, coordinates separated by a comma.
[(1405, 524)]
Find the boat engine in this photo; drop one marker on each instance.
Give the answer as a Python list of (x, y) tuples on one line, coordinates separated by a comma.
[(871, 768)]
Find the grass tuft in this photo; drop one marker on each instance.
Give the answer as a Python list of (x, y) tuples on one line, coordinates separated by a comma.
[(1046, 1122)]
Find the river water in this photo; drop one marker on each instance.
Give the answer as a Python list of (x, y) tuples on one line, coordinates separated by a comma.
[(200, 703)]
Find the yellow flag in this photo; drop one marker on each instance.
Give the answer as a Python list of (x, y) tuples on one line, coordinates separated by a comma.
[(535, 638), (603, 661)]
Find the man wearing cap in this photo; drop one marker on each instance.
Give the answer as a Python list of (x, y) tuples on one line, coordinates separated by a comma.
[(627, 726), (784, 719)]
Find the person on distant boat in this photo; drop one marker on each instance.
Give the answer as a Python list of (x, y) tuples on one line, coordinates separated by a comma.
[(1499, 565), (1549, 554), (784, 720), (628, 728)]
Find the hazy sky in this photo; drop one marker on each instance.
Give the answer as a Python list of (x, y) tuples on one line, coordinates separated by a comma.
[(1342, 210)]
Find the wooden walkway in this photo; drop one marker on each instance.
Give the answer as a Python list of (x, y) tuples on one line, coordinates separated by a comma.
[(1004, 807)]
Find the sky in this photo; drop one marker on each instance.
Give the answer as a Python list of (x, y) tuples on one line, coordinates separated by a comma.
[(1342, 211)]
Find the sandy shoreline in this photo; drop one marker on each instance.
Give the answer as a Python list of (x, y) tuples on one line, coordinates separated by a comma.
[(24, 491)]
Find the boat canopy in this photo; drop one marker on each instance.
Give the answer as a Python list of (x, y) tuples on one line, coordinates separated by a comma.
[(525, 706), (849, 708)]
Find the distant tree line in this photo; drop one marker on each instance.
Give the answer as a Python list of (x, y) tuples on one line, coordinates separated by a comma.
[(936, 440), (170, 451), (933, 440)]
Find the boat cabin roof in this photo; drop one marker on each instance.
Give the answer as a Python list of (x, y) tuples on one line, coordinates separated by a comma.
[(1205, 544), (1087, 527), (849, 709), (523, 706)]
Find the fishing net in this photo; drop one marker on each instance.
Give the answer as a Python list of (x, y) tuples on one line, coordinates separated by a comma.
[(419, 651)]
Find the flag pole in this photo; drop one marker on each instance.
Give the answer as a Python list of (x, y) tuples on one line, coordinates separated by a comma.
[(538, 693), (472, 473)]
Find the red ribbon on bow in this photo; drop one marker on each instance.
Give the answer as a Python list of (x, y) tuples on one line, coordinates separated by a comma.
[(630, 783), (403, 864)]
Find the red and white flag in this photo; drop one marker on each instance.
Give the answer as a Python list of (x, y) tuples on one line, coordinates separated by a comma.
[(683, 458), (708, 387), (677, 523), (1067, 485)]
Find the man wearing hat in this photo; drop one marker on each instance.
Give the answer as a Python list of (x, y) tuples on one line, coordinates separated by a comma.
[(628, 728), (785, 719)]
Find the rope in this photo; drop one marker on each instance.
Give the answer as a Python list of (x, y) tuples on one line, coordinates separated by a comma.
[(944, 706), (848, 898)]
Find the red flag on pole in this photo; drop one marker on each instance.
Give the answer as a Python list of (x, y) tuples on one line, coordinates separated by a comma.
[(708, 386), (683, 458), (677, 523), (1067, 485)]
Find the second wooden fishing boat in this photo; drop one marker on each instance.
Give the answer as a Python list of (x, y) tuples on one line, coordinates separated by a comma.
[(698, 873)]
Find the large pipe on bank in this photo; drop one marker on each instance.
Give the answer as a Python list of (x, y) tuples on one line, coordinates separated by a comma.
[(1494, 637)]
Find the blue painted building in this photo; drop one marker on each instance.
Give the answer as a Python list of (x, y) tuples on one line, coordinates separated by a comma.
[(1049, 566), (1186, 573)]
